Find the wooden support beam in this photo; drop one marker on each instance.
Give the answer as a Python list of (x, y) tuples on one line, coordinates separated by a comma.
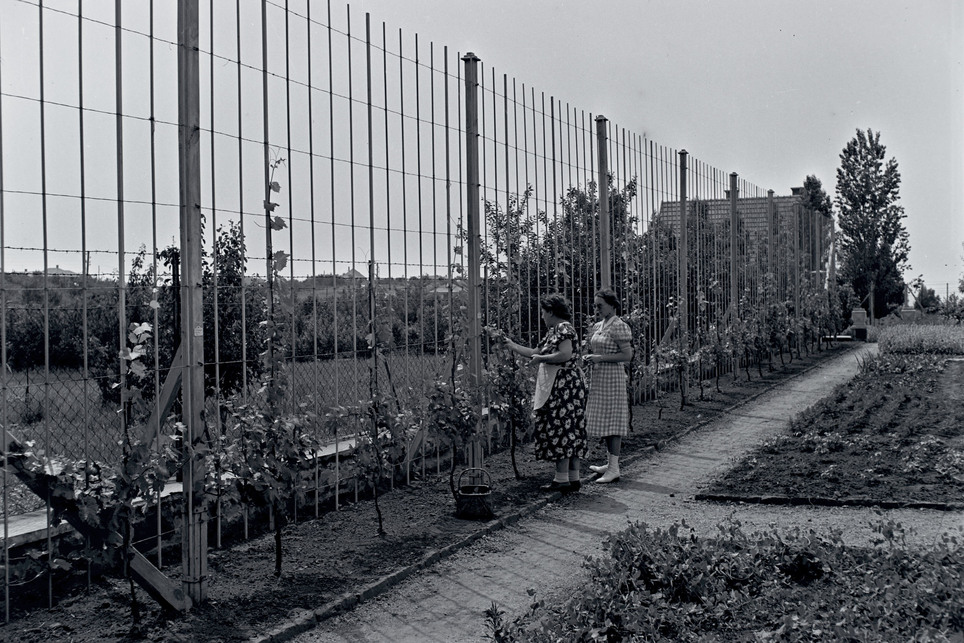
[(172, 386), (151, 579)]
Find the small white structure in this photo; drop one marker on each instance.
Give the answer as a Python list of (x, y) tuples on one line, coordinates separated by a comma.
[(859, 318)]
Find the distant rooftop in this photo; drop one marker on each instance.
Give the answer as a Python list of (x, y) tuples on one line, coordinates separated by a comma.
[(752, 211)]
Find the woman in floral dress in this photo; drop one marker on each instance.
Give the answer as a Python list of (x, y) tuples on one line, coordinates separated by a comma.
[(560, 396), (607, 409)]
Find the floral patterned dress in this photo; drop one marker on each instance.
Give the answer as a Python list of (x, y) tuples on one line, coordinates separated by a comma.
[(560, 423)]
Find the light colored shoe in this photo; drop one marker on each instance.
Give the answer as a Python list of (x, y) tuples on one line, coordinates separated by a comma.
[(611, 473), (609, 476), (601, 469)]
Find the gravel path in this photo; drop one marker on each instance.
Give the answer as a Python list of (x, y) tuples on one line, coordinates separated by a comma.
[(544, 552)]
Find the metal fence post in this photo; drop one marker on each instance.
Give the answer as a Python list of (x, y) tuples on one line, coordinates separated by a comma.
[(797, 209), (771, 223), (194, 530), (473, 224), (683, 283), (832, 258), (605, 249), (734, 250)]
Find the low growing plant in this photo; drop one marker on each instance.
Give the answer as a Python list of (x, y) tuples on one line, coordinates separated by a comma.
[(671, 584)]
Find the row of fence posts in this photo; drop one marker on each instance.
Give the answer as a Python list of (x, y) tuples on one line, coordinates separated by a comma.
[(194, 535)]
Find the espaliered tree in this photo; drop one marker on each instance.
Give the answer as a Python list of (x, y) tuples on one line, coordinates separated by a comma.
[(873, 241)]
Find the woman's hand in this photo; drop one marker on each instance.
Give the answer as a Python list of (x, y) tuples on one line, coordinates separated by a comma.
[(590, 359)]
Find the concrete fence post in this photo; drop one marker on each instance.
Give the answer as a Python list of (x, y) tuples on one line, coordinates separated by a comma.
[(683, 265), (602, 161), (734, 250), (473, 225)]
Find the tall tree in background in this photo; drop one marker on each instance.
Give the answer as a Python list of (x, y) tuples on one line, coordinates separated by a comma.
[(818, 205), (960, 281), (815, 197), (873, 241)]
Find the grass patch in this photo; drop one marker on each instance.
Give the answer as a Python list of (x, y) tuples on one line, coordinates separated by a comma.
[(922, 339), (671, 585)]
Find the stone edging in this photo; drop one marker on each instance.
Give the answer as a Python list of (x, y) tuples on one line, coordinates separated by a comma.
[(349, 600), (308, 619), (830, 502)]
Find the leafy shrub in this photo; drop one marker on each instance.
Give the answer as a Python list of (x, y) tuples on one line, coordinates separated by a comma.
[(670, 584)]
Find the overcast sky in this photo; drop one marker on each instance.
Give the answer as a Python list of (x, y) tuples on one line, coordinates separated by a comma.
[(771, 89)]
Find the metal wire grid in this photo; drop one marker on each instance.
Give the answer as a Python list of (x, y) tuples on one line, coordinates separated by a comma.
[(369, 127)]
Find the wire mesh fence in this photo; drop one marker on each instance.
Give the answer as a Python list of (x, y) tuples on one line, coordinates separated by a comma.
[(334, 201)]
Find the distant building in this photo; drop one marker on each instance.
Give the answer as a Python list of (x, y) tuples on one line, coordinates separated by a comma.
[(751, 211)]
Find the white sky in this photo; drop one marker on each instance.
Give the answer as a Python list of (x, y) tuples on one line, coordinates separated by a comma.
[(771, 89)]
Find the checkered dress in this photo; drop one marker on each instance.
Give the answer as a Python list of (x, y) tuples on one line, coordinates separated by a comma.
[(607, 409)]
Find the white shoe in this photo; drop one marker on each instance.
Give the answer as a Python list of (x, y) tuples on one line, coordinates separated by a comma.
[(609, 476), (611, 471), (601, 469)]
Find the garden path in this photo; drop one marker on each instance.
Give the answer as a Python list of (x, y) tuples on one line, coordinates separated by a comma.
[(541, 556)]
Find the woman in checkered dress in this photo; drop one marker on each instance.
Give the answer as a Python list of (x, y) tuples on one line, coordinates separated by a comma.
[(607, 409)]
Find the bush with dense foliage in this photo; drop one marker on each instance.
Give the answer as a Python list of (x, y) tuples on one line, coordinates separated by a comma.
[(673, 585)]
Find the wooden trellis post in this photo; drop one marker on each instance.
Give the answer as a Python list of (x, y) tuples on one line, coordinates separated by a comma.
[(194, 530)]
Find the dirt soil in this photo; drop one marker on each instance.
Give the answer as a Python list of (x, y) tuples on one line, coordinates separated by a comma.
[(341, 552), (894, 435)]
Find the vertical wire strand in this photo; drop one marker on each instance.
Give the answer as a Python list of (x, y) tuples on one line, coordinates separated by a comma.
[(495, 201), (515, 146), (525, 156), (158, 525), (418, 177), (373, 273), (593, 164), (45, 281), (84, 258), (215, 285), (292, 380), (244, 292), (504, 320), (121, 277), (313, 222), (434, 182), (351, 209), (334, 265), (448, 195), (421, 225), (4, 411), (404, 177), (390, 295), (266, 161)]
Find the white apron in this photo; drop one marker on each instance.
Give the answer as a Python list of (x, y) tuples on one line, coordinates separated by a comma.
[(545, 378)]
